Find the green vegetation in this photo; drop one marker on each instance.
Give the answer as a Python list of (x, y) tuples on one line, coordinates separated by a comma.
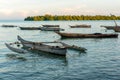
[(48, 17)]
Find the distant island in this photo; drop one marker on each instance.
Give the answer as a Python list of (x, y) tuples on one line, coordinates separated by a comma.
[(48, 17)]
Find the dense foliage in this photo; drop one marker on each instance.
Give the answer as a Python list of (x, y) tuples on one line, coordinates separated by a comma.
[(48, 17)]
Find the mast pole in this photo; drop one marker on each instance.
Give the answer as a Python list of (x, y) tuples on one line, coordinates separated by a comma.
[(114, 21)]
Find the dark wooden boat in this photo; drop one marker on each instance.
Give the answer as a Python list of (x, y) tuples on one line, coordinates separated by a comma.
[(42, 28), (9, 46), (80, 26), (59, 50), (8, 26), (94, 35), (51, 29), (30, 28), (50, 25), (117, 29), (110, 27)]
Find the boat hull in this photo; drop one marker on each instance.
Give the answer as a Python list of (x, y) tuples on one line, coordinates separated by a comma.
[(15, 49), (80, 26), (50, 25), (51, 29), (8, 26), (95, 35), (42, 47), (29, 28), (117, 29), (110, 27)]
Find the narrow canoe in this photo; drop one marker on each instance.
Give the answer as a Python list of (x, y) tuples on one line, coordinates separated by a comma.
[(80, 26), (29, 28), (51, 29), (94, 35), (116, 29), (8, 26), (50, 25), (110, 27)]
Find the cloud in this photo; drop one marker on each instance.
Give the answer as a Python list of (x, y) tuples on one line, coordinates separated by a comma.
[(73, 9), (20, 14), (12, 15), (84, 9), (16, 9)]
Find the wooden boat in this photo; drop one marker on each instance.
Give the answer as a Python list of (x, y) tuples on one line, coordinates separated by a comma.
[(51, 29), (15, 49), (109, 27), (8, 26), (117, 29), (94, 35), (59, 50), (80, 26), (50, 25), (30, 28)]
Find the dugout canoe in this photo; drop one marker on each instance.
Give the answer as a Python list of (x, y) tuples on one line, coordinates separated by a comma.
[(80, 35), (51, 29), (30, 28), (80, 26), (8, 26), (109, 27), (50, 25)]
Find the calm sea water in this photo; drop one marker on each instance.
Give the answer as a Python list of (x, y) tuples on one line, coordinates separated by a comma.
[(100, 62)]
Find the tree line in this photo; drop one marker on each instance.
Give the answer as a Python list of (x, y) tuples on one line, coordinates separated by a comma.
[(48, 17)]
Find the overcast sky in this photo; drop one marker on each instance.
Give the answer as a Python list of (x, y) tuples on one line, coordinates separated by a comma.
[(19, 9)]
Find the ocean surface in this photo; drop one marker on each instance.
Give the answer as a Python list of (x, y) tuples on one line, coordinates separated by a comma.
[(100, 62)]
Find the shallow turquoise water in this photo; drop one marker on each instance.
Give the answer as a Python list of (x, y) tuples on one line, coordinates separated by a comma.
[(101, 62)]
